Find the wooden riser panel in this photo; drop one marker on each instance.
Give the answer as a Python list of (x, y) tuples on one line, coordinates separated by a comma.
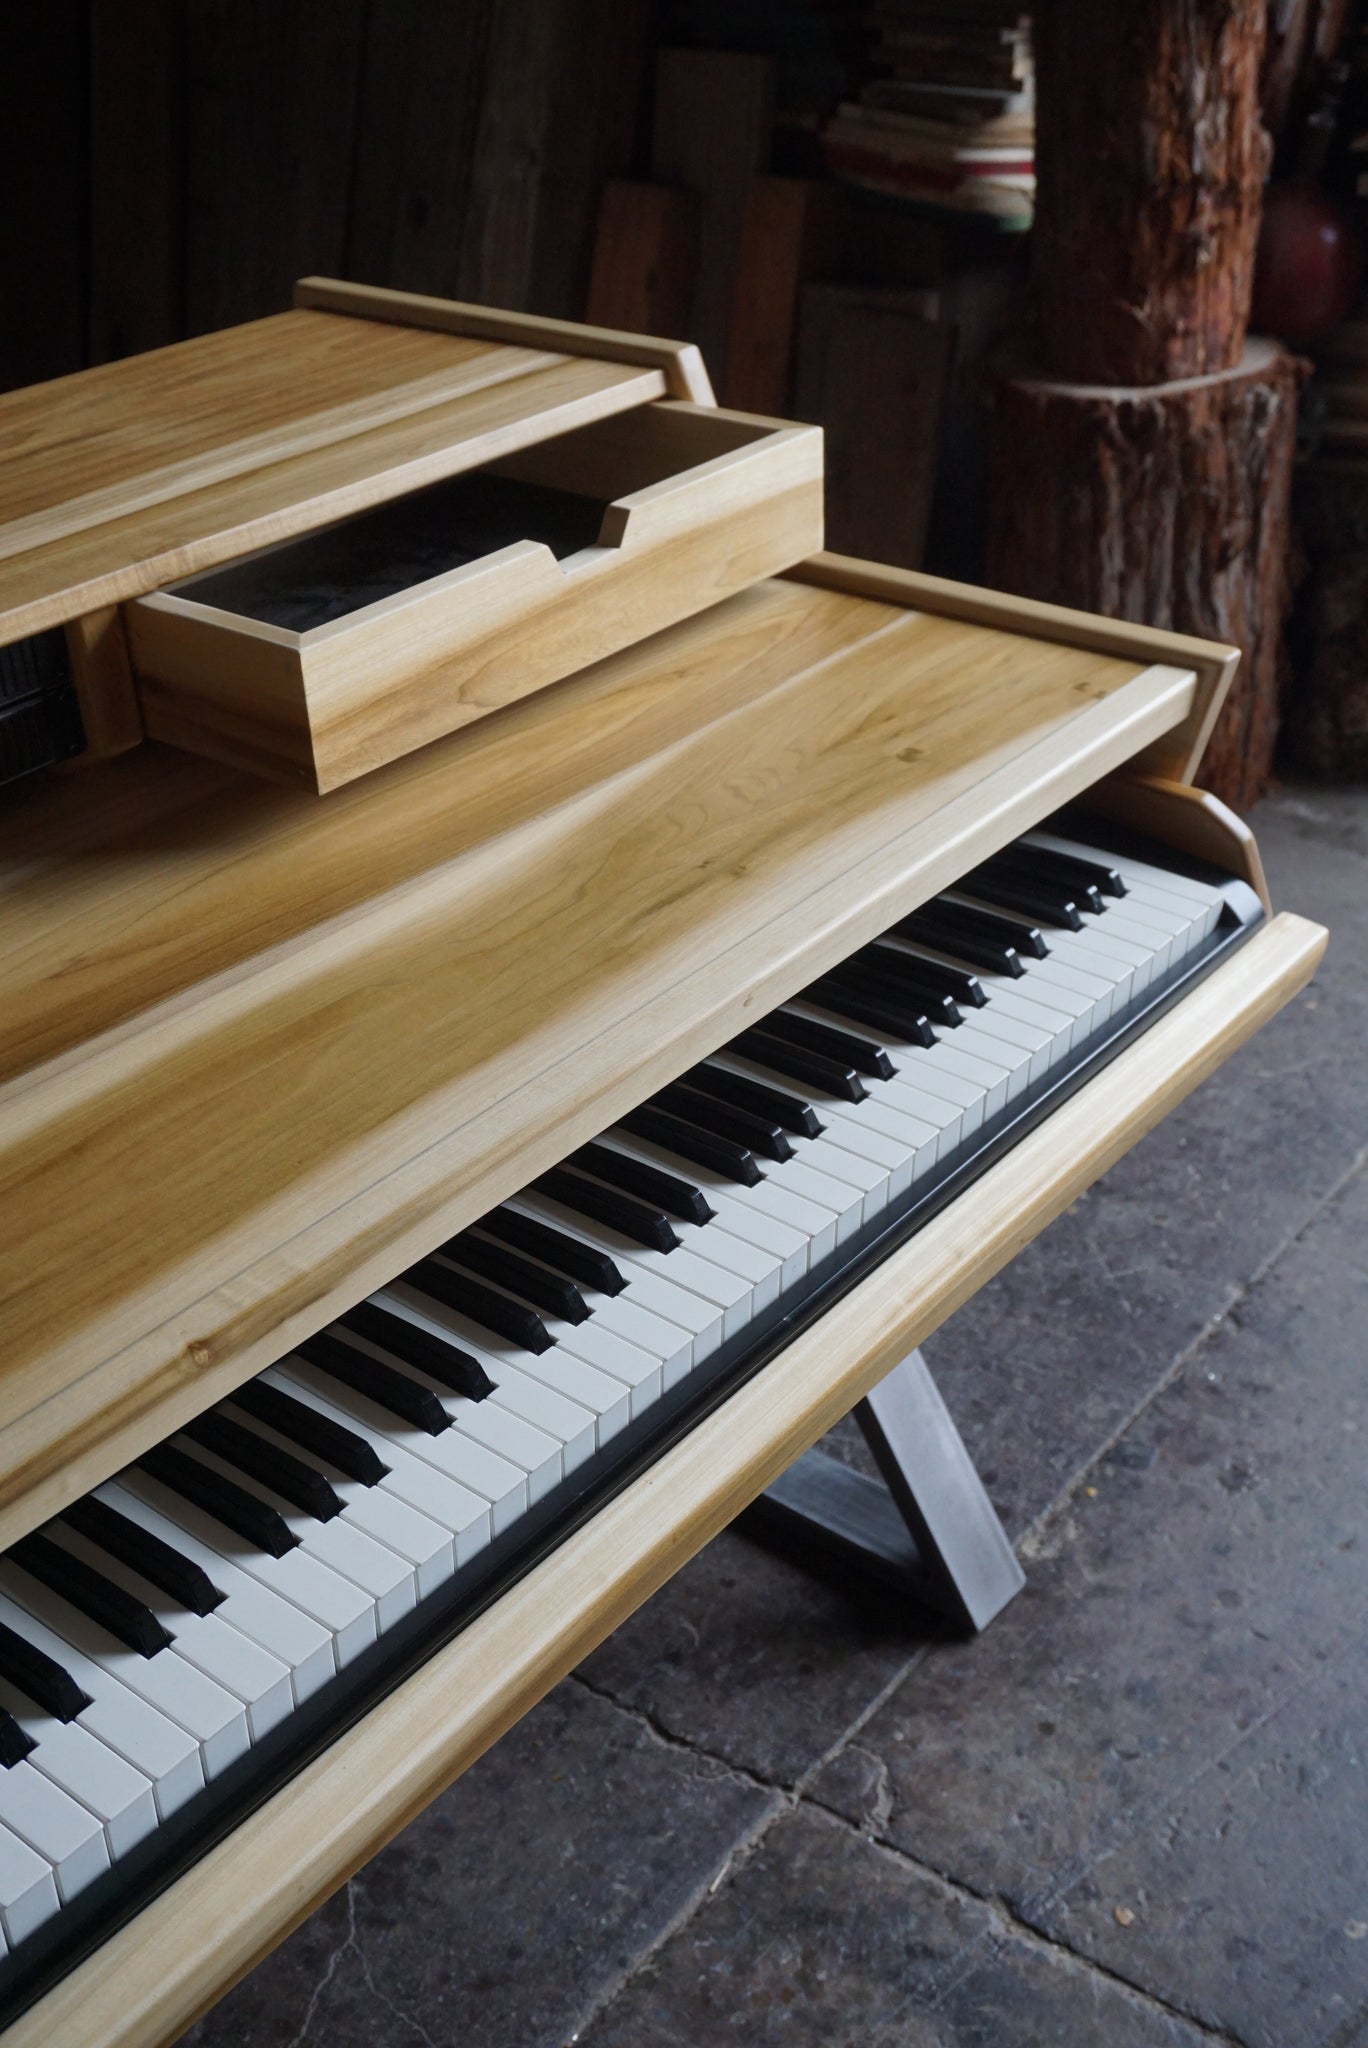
[(380, 1017)]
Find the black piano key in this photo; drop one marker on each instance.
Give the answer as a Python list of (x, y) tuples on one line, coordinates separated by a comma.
[(1005, 925), (958, 983), (1031, 864), (813, 1069), (790, 1112), (484, 1305), (756, 1133), (1051, 902), (384, 1384), (687, 1141), (154, 1560), (583, 1262), (973, 936), (332, 1441), (637, 1220), (551, 1291), (441, 1358), (14, 1744), (668, 1191), (255, 1520), (123, 1614), (886, 968), (46, 1682), (855, 996), (1074, 867), (267, 1463), (831, 1041)]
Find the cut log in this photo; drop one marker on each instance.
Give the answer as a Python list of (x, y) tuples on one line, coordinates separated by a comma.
[(1150, 162), (1167, 504)]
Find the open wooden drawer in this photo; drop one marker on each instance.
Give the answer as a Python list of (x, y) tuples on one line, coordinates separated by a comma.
[(325, 656), (155, 1976)]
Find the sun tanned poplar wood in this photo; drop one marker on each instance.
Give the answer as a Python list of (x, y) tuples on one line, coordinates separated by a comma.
[(155, 1977), (1177, 755), (678, 839), (194, 460), (701, 504), (98, 650), (1189, 820), (679, 362)]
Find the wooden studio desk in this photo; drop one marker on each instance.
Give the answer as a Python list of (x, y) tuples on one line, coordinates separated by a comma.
[(436, 1207)]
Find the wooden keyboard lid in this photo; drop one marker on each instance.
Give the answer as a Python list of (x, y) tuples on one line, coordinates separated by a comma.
[(117, 479)]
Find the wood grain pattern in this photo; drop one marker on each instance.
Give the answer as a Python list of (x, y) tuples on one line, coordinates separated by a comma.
[(789, 236), (701, 503), (148, 1983), (103, 675), (881, 459), (678, 361), (645, 259), (1189, 820), (679, 838), (714, 115), (505, 399), (1176, 756)]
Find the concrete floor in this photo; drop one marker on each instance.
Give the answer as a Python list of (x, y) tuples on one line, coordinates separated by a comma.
[(1133, 1813)]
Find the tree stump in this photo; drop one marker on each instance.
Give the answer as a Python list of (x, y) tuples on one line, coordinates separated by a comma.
[(1167, 504), (1150, 162)]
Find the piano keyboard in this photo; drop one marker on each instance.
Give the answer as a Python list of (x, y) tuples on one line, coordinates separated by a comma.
[(172, 1645)]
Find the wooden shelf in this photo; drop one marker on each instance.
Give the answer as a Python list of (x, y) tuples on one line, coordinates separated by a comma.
[(259, 1052), (155, 1977)]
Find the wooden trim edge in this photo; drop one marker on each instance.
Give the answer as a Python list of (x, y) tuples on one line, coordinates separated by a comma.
[(1189, 820), (1176, 756), (168, 1966), (683, 366)]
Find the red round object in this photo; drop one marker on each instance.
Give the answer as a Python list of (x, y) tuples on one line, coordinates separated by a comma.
[(1309, 269)]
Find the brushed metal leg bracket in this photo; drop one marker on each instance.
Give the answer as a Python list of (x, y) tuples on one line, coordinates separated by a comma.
[(927, 1530)]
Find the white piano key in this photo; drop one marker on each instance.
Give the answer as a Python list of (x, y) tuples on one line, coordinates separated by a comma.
[(815, 1226), (863, 1179), (411, 1482), (1090, 951), (474, 1463), (761, 1270), (212, 1645), (333, 1602), (155, 1745), (388, 1579), (28, 1889), (1060, 989), (1028, 1002), (1013, 1036), (626, 1315), (70, 1840), (574, 1402), (309, 1575), (949, 1068), (216, 1719), (972, 1040), (491, 1422), (119, 1796), (1117, 925), (427, 1548), (696, 1272), (264, 1616)]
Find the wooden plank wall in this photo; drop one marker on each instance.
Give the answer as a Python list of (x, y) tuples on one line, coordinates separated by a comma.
[(173, 165)]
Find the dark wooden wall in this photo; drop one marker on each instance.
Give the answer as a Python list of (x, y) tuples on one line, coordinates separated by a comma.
[(173, 165)]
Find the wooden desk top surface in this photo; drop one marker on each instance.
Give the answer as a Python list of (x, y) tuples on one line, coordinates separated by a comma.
[(259, 1049)]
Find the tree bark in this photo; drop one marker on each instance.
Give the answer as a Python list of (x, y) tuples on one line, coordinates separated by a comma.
[(1167, 504), (1150, 161)]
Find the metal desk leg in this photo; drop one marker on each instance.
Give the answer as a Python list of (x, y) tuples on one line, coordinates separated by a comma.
[(928, 1530)]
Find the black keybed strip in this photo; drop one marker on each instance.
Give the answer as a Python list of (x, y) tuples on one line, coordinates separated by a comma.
[(138, 1877)]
